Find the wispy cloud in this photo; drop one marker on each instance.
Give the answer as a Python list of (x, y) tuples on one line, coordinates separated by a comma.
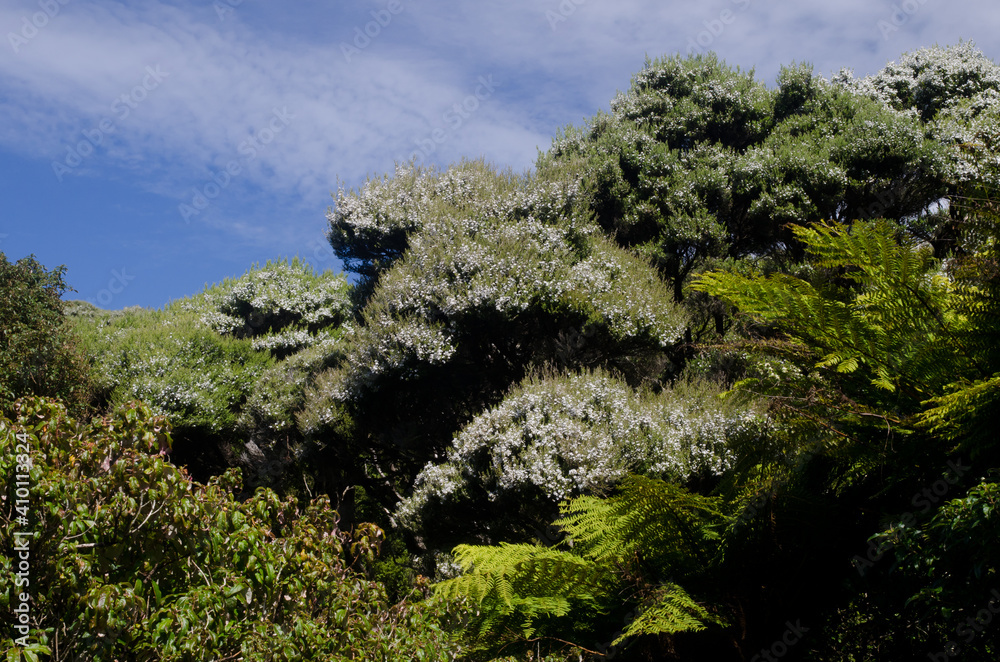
[(223, 78), (218, 91)]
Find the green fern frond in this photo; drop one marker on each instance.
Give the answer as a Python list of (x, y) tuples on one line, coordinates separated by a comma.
[(674, 611), (516, 585), (649, 517), (523, 582), (899, 322), (969, 413)]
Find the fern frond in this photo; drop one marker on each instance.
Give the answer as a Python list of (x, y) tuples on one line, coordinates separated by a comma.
[(649, 517), (523, 581), (969, 413), (899, 321), (663, 525), (674, 611)]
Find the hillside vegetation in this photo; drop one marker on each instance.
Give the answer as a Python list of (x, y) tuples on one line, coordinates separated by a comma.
[(718, 379)]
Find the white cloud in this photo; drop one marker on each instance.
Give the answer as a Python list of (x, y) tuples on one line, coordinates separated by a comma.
[(224, 78)]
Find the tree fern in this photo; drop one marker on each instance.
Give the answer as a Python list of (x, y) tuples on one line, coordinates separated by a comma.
[(616, 546), (649, 518), (968, 411), (523, 580), (896, 321)]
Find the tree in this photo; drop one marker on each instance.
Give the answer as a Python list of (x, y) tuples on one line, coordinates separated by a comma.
[(502, 274), (698, 162), (924, 336), (38, 353)]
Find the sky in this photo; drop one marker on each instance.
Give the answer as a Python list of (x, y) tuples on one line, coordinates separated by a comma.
[(158, 146)]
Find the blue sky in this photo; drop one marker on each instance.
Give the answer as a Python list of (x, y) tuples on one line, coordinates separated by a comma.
[(153, 147)]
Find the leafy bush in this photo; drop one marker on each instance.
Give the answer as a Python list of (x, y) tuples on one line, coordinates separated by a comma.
[(130, 559), (38, 353)]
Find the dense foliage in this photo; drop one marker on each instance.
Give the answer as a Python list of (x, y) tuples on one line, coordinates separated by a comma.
[(500, 274), (565, 435), (228, 366), (718, 379), (37, 353), (131, 559)]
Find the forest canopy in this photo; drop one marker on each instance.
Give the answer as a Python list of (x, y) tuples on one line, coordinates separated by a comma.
[(718, 378)]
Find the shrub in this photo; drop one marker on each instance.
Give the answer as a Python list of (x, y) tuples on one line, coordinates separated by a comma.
[(285, 306), (38, 354), (130, 559), (562, 436), (229, 366)]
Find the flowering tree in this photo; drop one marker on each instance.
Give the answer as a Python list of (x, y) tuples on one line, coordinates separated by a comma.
[(698, 161), (500, 273), (562, 436)]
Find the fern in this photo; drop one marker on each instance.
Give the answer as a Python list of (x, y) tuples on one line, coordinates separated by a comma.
[(968, 411), (649, 526), (522, 582), (648, 519), (674, 611), (898, 321)]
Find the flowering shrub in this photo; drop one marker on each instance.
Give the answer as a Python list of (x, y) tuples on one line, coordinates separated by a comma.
[(284, 306), (170, 360), (955, 90), (229, 366), (929, 80), (558, 437), (497, 268), (279, 391), (370, 228)]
